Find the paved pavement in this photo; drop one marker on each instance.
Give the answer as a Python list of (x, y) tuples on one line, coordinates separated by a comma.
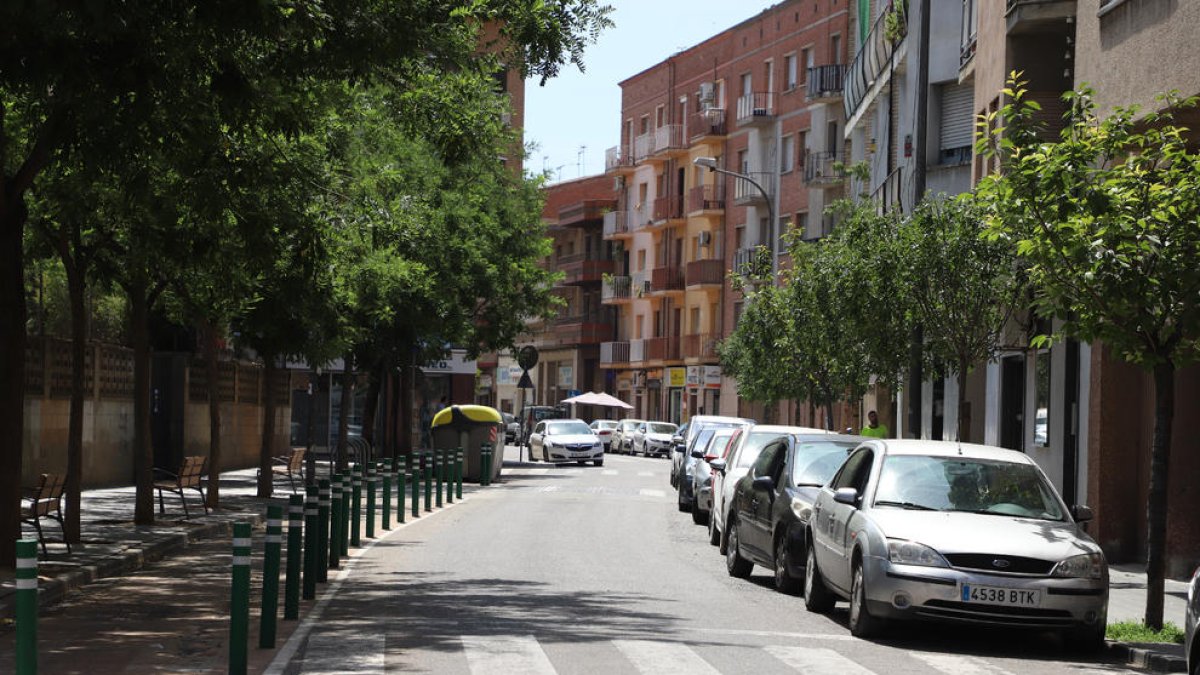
[(571, 570)]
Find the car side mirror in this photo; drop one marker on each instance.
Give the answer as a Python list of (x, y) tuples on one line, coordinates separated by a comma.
[(717, 465), (763, 484), (1082, 513), (698, 454), (846, 496)]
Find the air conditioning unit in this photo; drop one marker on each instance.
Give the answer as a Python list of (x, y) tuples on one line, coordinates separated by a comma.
[(707, 94), (705, 238)]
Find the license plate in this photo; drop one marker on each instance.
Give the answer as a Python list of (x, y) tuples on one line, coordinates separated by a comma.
[(993, 595)]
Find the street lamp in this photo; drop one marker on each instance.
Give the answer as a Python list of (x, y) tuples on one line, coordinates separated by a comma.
[(710, 163)]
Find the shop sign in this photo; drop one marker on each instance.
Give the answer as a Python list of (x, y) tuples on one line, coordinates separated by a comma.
[(712, 377), (676, 377), (455, 364), (693, 376), (566, 377)]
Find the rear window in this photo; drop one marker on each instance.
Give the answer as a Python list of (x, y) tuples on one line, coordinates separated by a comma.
[(661, 428), (815, 462), (752, 446)]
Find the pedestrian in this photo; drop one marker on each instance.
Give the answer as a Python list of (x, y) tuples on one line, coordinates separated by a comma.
[(874, 429), (440, 405)]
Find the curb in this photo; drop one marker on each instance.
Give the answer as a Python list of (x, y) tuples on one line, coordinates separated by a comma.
[(1146, 658), (52, 591)]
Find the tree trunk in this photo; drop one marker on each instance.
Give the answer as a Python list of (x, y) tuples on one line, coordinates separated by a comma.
[(405, 399), (12, 368), (1156, 510), (143, 449), (212, 369), (343, 462), (371, 405), (963, 431), (79, 330), (266, 485)]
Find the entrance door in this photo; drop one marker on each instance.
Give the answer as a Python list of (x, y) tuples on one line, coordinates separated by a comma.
[(1012, 402), (675, 406)]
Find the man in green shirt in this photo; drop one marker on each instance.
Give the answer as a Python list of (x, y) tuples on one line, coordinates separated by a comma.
[(874, 429)]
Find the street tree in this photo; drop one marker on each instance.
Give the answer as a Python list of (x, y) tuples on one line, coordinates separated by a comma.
[(1107, 217)]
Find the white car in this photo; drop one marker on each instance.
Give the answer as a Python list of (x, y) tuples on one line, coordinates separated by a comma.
[(737, 464), (653, 438), (622, 436), (604, 429), (562, 441)]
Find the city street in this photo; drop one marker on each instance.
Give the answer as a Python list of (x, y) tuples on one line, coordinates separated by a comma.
[(593, 570)]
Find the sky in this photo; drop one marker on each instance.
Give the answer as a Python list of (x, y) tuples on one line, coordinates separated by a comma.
[(577, 116)]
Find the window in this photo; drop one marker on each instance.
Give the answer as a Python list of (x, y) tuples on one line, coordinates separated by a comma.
[(639, 325), (787, 154), (766, 461), (660, 117), (645, 125), (801, 147), (769, 73), (855, 472), (832, 139), (802, 225), (747, 84), (642, 260), (792, 69), (957, 127), (784, 226), (695, 321), (643, 195), (1041, 414), (835, 48), (806, 60), (743, 161)]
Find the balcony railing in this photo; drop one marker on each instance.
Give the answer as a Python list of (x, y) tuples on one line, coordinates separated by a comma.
[(643, 146), (706, 198), (744, 191), (669, 137), (663, 279), (616, 223), (640, 285), (656, 349), (614, 352), (639, 216), (585, 212), (705, 272), (700, 346), (826, 81), (579, 331), (709, 122), (581, 268), (637, 351), (757, 106), (823, 168), (616, 158), (873, 56), (668, 208), (745, 259), (887, 194), (616, 289)]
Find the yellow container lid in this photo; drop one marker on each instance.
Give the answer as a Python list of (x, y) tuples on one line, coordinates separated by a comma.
[(475, 413)]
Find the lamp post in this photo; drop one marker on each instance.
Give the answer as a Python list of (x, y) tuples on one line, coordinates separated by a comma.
[(710, 163)]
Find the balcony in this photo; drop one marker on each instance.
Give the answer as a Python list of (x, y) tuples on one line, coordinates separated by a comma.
[(668, 142), (746, 260), (655, 349), (667, 209), (823, 169), (617, 158), (667, 279), (643, 147), (616, 225), (639, 216), (756, 108), (707, 125), (579, 330), (706, 198), (826, 82), (580, 268), (700, 346), (586, 212), (616, 290), (1039, 16), (613, 353), (745, 192), (707, 272), (887, 194), (637, 351), (871, 61)]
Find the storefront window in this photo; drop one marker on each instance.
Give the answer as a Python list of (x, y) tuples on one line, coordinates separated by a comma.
[(1041, 435)]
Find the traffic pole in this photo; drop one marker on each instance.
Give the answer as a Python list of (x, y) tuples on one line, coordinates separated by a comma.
[(462, 468), (323, 531), (27, 591), (371, 478), (309, 589), (356, 506), (335, 524), (270, 580), (386, 494), (291, 585), (428, 465), (439, 469), (239, 618)]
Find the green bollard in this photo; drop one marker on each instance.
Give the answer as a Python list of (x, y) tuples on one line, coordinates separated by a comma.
[(335, 524), (239, 610), (323, 531), (270, 580), (386, 494), (416, 492), (427, 465), (347, 498), (439, 469), (309, 587), (462, 468), (27, 606), (401, 487), (450, 464), (356, 506), (371, 478), (291, 586), (485, 464)]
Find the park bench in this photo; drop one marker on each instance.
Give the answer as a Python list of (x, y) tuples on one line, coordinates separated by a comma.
[(290, 465), (45, 501), (190, 477)]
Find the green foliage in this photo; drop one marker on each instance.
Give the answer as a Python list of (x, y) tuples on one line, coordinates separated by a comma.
[(1138, 632)]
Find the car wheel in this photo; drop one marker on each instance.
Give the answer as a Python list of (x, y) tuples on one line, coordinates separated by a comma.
[(817, 597), (723, 545), (784, 581), (684, 506), (862, 624), (1090, 640), (735, 564), (598, 462), (714, 535), (699, 517)]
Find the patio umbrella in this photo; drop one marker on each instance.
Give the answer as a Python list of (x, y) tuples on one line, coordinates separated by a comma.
[(600, 399)]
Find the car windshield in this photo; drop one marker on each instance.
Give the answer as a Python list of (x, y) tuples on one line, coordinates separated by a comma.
[(629, 425), (604, 424), (702, 438), (563, 428), (752, 446), (815, 462), (718, 442), (660, 428), (964, 484)]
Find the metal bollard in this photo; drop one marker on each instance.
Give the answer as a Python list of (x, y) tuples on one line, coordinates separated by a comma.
[(451, 465), (439, 469), (356, 506), (427, 464), (416, 491), (401, 487), (309, 587), (485, 455), (270, 580), (462, 468), (347, 498), (323, 531), (239, 610), (295, 549), (386, 494), (27, 606), (371, 478), (335, 524)]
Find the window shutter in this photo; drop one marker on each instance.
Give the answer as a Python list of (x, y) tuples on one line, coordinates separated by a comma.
[(957, 120)]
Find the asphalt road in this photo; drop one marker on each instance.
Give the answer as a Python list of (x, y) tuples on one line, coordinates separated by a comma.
[(593, 570)]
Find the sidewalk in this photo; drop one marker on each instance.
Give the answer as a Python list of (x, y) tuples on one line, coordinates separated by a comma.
[(1127, 602)]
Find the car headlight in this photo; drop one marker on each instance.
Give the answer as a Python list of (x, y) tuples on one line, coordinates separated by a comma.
[(801, 509), (1083, 566), (904, 552), (597, 445)]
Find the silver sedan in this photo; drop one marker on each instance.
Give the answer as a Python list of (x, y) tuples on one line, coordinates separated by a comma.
[(953, 532)]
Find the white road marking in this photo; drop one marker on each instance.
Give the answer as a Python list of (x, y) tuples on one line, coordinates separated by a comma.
[(953, 664), (816, 660), (652, 493), (537, 472), (335, 652), (549, 488), (506, 655), (770, 633), (663, 658)]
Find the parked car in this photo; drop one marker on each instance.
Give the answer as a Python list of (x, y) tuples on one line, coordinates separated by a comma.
[(604, 429), (742, 454), (562, 441), (955, 532), (677, 441), (1191, 645), (772, 502), (622, 436), (653, 438), (699, 487), (680, 452), (512, 428), (532, 414)]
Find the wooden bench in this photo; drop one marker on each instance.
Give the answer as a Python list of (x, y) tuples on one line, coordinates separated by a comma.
[(190, 477), (290, 465), (45, 501)]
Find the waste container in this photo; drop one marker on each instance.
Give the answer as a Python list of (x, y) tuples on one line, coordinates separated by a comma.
[(469, 427)]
